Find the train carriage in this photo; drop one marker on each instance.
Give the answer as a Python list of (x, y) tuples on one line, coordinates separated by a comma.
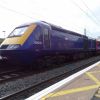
[(39, 41), (98, 46)]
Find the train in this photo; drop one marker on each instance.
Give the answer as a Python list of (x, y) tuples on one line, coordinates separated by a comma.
[(42, 42)]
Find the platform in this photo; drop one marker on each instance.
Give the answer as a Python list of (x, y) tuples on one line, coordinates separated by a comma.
[(82, 87)]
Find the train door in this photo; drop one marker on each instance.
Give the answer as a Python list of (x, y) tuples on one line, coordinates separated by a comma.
[(46, 38)]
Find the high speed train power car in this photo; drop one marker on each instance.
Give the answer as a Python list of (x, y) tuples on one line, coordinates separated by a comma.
[(40, 41)]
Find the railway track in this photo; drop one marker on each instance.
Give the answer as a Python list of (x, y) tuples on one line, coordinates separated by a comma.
[(11, 72), (10, 75), (25, 93)]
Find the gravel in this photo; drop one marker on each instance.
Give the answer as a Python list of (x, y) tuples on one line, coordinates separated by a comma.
[(25, 82)]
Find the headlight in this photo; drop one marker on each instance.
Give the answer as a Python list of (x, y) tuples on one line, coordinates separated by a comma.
[(13, 46)]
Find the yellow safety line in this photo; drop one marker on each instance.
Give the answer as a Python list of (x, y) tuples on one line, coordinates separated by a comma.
[(93, 78), (60, 93), (98, 92), (97, 95), (47, 96)]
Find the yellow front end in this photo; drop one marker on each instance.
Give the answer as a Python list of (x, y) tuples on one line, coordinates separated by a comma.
[(20, 39)]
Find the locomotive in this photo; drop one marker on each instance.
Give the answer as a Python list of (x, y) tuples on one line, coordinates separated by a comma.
[(40, 41)]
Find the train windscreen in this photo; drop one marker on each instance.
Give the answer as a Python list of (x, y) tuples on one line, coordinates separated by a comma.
[(18, 31)]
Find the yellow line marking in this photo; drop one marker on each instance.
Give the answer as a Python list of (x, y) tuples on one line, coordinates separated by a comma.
[(75, 90), (61, 93), (97, 95), (47, 96), (93, 78), (98, 92)]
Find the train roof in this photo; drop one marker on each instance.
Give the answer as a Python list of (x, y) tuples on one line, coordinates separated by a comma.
[(53, 27), (59, 28)]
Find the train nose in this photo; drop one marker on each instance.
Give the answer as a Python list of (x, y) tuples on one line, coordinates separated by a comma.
[(10, 47), (3, 58), (8, 52), (17, 56)]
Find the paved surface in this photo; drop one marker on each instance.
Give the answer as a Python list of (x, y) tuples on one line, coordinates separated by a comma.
[(96, 95), (82, 88)]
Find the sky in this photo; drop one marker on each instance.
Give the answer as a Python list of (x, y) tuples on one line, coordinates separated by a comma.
[(74, 15)]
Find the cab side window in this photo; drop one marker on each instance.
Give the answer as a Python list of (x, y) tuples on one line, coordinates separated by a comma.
[(38, 34), (46, 34), (46, 38)]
